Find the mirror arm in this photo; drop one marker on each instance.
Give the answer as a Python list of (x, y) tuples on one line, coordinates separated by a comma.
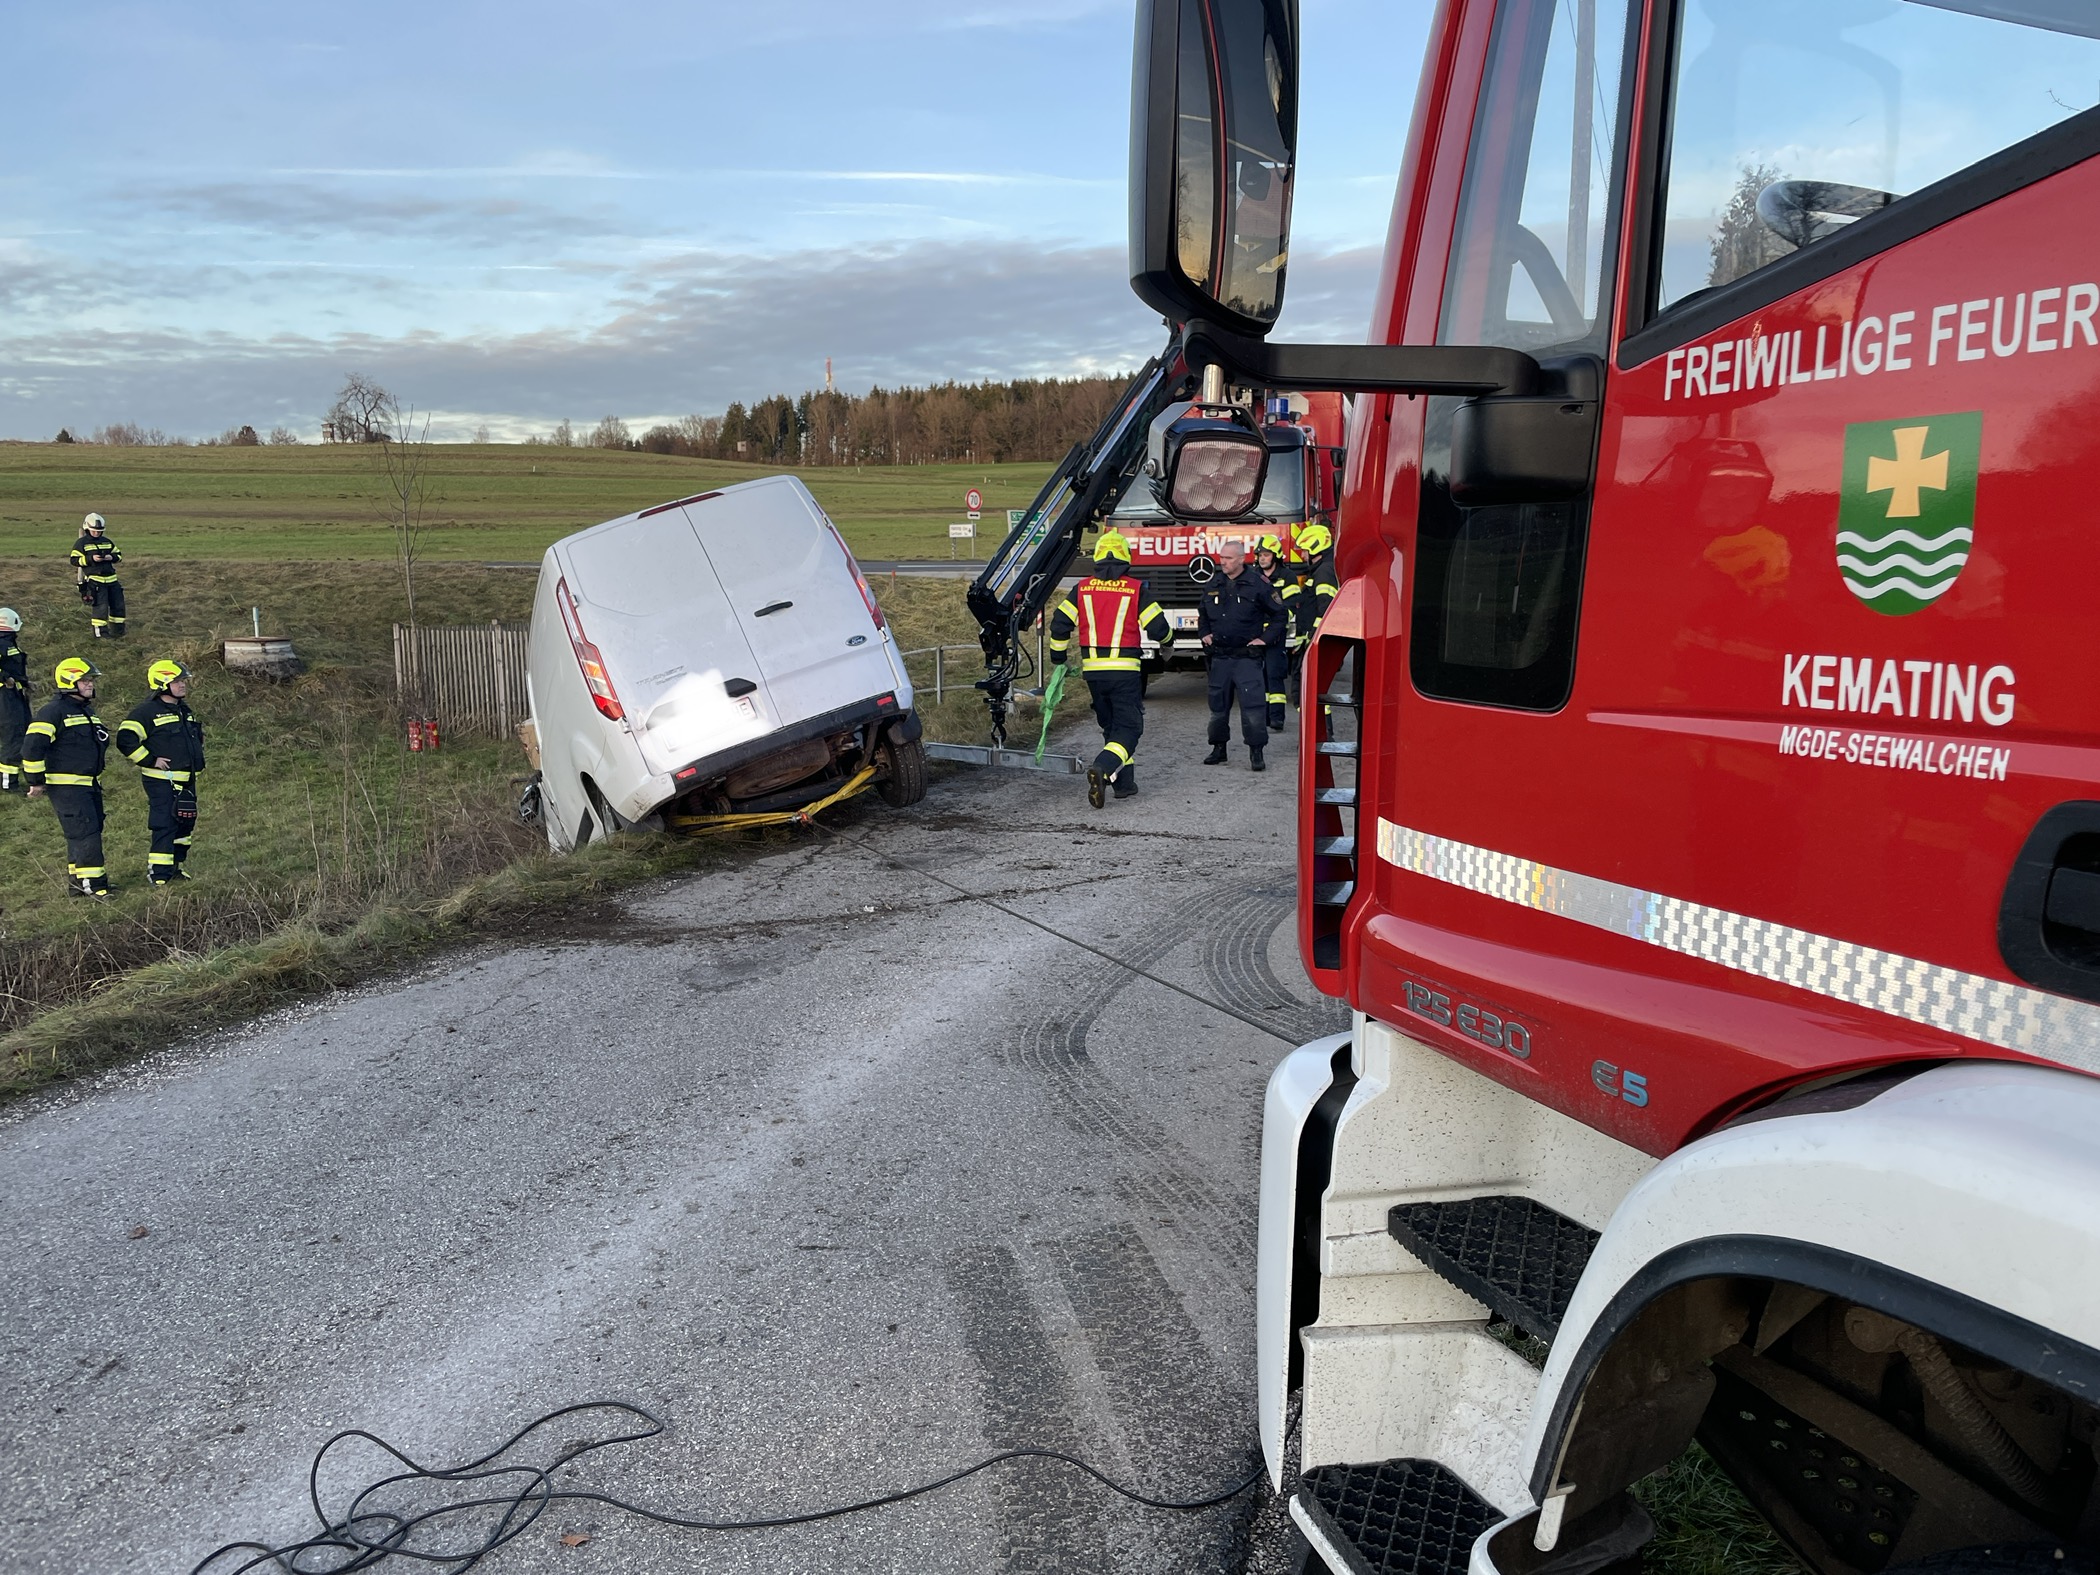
[(1362, 369)]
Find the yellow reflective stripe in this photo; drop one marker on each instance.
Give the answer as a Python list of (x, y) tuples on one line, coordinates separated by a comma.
[(1068, 609), (77, 720), (160, 858), (89, 871), (1118, 751), (1150, 611), (66, 779), (1278, 699), (46, 729), (1106, 664), (167, 776)]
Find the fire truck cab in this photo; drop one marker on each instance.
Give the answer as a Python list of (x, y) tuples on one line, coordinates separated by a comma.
[(1702, 812)]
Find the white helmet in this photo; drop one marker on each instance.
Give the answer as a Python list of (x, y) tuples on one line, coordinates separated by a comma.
[(10, 620), (94, 522)]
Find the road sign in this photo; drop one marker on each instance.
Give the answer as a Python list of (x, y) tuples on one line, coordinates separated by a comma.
[(961, 530), (973, 516), (1014, 517), (973, 500)]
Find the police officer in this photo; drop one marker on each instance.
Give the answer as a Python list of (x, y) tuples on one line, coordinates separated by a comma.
[(1111, 614), (164, 739), (1317, 543), (1276, 659), (62, 755), (95, 560), (14, 699), (1239, 618)]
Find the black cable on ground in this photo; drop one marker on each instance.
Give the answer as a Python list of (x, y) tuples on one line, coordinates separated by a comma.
[(455, 1534), (860, 844)]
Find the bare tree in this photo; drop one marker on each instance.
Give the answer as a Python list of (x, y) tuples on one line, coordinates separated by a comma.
[(404, 457), (283, 435), (363, 412), (611, 433), (481, 433)]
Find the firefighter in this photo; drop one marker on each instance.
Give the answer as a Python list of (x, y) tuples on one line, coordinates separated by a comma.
[(62, 755), (14, 699), (1240, 618), (1317, 543), (95, 560), (1276, 659), (1111, 614), (164, 739)]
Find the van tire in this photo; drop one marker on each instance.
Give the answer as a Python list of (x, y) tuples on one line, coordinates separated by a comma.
[(607, 819), (903, 767)]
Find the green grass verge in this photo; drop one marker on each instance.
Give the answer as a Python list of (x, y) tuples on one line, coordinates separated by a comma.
[(490, 502), (1704, 1525)]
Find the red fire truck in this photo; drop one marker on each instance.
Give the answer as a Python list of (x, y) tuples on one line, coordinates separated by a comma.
[(1703, 817)]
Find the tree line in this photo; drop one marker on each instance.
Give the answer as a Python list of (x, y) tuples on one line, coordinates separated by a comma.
[(1025, 419)]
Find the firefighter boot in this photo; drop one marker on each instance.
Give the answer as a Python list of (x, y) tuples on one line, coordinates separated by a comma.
[(1254, 762), (7, 779), (1096, 787), (1126, 782), (1216, 757)]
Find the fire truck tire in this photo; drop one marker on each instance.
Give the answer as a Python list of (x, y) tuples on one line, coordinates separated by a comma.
[(2025, 1558), (903, 765)]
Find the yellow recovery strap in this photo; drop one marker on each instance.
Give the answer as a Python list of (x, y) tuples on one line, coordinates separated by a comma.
[(707, 825)]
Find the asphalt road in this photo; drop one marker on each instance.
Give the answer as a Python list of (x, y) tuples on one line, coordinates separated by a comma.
[(849, 1175)]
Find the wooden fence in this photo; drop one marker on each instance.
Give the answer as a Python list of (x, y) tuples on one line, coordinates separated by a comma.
[(470, 677)]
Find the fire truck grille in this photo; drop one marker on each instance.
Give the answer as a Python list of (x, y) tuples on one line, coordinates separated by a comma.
[(1518, 1256), (1170, 587), (1400, 1517)]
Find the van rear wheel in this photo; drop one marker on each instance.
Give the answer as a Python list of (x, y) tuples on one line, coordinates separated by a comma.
[(903, 767)]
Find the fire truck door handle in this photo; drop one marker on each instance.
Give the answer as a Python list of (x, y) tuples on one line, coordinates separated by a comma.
[(2049, 923)]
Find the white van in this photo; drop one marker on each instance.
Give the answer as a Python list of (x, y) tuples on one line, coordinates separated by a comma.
[(719, 654)]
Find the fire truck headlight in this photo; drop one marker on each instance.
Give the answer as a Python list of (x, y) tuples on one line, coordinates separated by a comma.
[(1215, 467)]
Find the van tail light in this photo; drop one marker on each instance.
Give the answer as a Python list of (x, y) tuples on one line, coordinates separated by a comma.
[(866, 594), (588, 657)]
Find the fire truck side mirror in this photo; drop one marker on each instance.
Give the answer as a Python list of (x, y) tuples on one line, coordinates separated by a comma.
[(1538, 446), (1213, 144)]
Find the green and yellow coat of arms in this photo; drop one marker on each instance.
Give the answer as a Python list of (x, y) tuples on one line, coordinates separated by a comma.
[(1907, 508)]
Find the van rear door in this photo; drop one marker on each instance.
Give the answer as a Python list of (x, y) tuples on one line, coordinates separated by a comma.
[(794, 589), (672, 643)]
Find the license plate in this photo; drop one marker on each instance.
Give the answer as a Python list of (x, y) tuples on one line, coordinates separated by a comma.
[(1182, 620), (744, 704)]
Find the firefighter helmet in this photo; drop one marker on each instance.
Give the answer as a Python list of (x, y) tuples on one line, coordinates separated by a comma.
[(94, 522), (1271, 543), (10, 620), (72, 670), (163, 673), (1113, 544), (1314, 540)]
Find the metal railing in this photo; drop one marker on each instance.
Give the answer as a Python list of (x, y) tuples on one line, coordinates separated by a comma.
[(973, 664)]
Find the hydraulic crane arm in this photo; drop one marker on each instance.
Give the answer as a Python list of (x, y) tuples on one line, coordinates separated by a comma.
[(1025, 572)]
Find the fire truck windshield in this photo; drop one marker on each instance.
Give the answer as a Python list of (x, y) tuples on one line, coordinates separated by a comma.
[(1282, 494)]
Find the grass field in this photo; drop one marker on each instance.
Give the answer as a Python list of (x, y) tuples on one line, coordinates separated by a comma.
[(490, 502)]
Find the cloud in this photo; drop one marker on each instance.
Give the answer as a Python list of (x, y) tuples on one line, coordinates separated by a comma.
[(305, 211)]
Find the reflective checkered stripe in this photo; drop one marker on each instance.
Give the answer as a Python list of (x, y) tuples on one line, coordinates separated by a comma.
[(2009, 1016)]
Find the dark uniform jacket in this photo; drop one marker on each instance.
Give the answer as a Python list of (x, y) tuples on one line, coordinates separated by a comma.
[(97, 556), (14, 665), (66, 744), (161, 726), (1320, 589), (1237, 612)]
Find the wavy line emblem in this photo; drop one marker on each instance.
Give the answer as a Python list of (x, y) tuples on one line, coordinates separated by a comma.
[(1907, 508)]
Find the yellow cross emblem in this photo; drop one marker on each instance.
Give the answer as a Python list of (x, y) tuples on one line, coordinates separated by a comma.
[(1911, 470)]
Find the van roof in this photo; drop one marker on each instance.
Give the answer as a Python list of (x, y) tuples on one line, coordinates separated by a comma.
[(698, 497)]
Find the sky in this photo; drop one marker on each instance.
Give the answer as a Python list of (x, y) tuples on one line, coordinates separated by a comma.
[(516, 214)]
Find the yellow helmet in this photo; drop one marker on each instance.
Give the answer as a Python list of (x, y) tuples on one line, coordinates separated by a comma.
[(163, 673), (1314, 540), (1113, 544), (1270, 543), (72, 670)]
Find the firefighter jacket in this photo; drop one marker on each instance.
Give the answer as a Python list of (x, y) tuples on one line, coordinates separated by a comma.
[(1320, 589), (1289, 589), (96, 557), (161, 727), (1110, 619), (66, 744), (1237, 611), (14, 665)]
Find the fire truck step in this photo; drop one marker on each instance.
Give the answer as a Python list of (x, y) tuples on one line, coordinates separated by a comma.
[(1334, 847), (1334, 795), (1396, 1517), (1348, 748), (1519, 1257), (1333, 893)]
